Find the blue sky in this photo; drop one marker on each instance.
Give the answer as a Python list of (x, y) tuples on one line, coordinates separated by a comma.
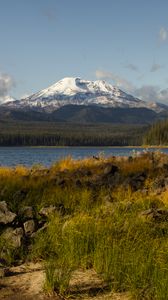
[(122, 41)]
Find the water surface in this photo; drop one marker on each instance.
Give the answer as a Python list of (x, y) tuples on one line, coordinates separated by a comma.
[(28, 156)]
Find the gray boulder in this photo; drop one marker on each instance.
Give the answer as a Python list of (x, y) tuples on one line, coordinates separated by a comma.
[(29, 227), (137, 181), (159, 215), (6, 216), (46, 211), (26, 213), (13, 237), (111, 169)]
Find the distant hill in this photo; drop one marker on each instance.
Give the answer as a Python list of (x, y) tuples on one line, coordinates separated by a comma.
[(92, 114), (84, 114)]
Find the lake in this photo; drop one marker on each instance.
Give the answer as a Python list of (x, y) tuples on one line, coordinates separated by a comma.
[(28, 156)]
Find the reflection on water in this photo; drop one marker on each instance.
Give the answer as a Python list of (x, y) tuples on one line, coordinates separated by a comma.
[(12, 156)]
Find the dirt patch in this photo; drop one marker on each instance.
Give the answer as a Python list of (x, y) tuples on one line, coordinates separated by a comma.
[(26, 282), (87, 285)]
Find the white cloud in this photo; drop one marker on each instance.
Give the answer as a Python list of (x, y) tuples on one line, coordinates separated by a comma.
[(155, 67), (163, 34), (118, 81), (147, 92), (7, 99), (6, 84), (163, 95), (103, 74), (152, 93)]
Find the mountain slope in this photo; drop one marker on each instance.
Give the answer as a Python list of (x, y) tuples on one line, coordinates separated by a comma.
[(92, 114), (84, 114), (75, 91)]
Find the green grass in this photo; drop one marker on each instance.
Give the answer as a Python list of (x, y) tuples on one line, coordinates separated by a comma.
[(128, 253), (96, 226)]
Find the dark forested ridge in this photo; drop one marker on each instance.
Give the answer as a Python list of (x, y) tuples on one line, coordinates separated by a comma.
[(157, 134), (77, 125), (96, 114), (83, 114), (69, 134)]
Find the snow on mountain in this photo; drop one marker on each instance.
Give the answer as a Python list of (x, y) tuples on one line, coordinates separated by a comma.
[(76, 91), (7, 99)]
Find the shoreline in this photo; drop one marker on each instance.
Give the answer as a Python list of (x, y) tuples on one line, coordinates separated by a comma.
[(87, 147)]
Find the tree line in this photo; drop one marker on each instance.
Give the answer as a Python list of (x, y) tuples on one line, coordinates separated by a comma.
[(157, 134), (40, 134)]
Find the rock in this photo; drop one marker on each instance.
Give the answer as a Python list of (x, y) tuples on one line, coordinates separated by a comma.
[(159, 215), (39, 171), (13, 237), (20, 195), (144, 191), (61, 182), (147, 212), (136, 182), (6, 216), (46, 211), (26, 213), (166, 182), (110, 169), (88, 173), (158, 184), (165, 167), (96, 157), (112, 181), (29, 227), (3, 192), (42, 229), (85, 172), (3, 262)]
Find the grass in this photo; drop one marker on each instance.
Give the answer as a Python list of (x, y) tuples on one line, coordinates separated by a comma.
[(127, 253), (96, 226)]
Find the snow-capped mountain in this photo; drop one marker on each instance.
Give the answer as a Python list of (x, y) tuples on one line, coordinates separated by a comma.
[(76, 91), (6, 99)]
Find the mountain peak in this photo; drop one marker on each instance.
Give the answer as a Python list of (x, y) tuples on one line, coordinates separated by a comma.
[(77, 91), (74, 85)]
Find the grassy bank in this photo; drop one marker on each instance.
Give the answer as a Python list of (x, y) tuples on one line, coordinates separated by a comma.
[(110, 215)]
